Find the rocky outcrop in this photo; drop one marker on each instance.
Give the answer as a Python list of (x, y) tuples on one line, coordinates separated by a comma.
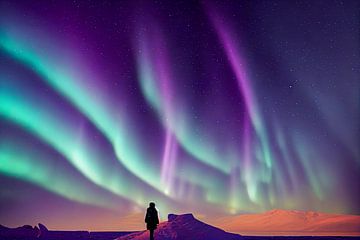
[(24, 232), (43, 228), (41, 232)]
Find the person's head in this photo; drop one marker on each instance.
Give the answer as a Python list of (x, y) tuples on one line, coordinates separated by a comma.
[(152, 204)]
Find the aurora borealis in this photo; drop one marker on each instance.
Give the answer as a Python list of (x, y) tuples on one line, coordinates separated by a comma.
[(209, 107)]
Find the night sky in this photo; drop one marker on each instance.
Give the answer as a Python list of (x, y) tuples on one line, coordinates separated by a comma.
[(213, 107)]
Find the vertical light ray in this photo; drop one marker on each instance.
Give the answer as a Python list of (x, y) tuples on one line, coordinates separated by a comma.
[(168, 163), (247, 158), (238, 65), (309, 163), (155, 81), (283, 145), (167, 95)]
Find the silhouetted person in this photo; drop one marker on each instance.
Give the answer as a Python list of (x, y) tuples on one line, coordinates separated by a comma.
[(151, 219)]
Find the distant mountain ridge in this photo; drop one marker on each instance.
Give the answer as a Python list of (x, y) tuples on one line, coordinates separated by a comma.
[(290, 222)]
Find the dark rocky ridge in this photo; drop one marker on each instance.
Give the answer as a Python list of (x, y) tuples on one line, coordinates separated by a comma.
[(28, 232)]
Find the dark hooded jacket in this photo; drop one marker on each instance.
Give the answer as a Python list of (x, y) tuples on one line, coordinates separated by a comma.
[(151, 218)]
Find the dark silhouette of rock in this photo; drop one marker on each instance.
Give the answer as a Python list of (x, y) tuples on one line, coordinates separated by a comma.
[(183, 217), (42, 228), (182, 227), (41, 232), (25, 232)]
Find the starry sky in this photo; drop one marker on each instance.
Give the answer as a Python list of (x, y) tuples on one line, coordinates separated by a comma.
[(209, 107)]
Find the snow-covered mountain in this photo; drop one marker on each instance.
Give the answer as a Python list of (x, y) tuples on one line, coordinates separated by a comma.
[(290, 222)]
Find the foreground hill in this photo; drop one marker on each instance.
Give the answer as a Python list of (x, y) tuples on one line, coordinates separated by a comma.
[(181, 227), (284, 222)]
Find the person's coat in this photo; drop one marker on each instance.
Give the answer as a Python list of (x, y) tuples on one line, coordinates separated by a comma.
[(151, 218)]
